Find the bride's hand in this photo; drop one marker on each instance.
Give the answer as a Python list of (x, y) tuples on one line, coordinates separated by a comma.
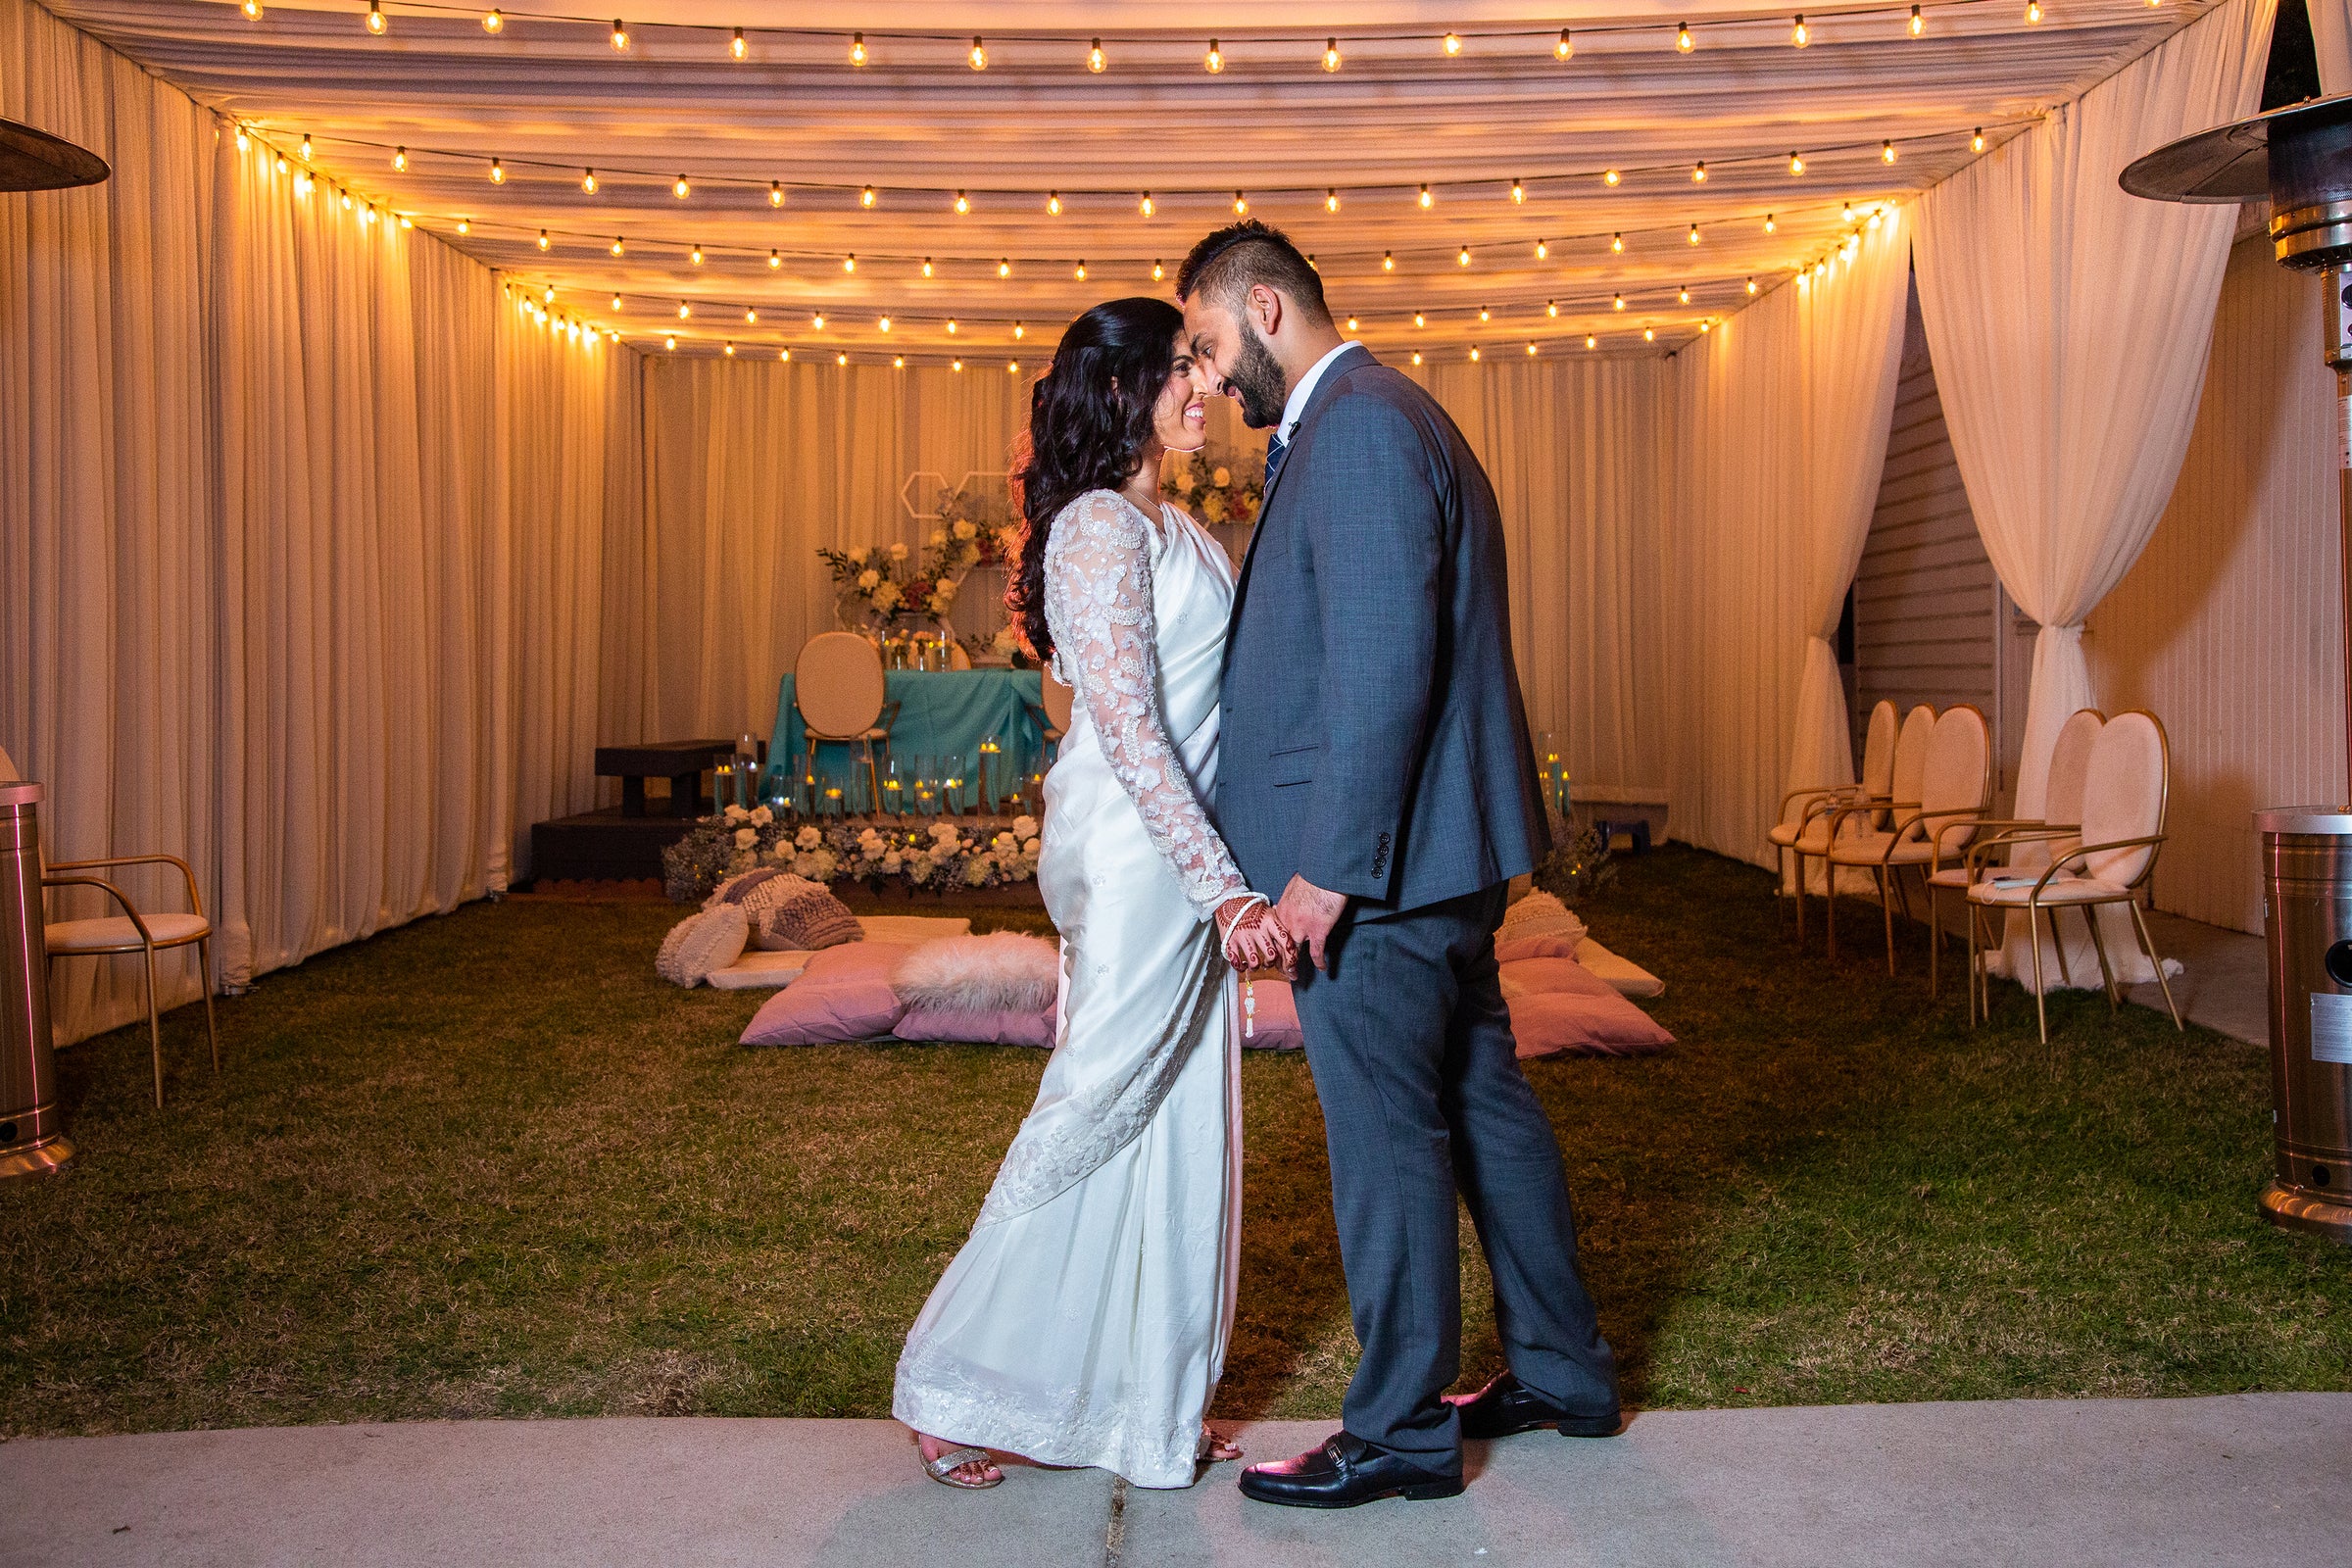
[(1253, 937)]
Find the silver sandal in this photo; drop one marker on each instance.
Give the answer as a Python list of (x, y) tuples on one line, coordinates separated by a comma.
[(943, 1469)]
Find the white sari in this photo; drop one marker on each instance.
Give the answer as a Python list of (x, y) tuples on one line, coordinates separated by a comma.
[(1085, 1321)]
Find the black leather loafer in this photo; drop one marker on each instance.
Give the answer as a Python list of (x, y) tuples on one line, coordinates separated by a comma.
[(1342, 1473), (1508, 1405)]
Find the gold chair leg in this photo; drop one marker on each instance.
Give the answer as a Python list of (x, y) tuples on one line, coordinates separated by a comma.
[(2148, 945), (873, 781), (1829, 906), (204, 978), (1934, 938), (155, 1029), (1887, 912), (1974, 975), (2041, 1005), (2066, 974), (2098, 945)]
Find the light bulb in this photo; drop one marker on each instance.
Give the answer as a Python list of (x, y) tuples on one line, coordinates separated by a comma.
[(1158, 272), (950, 326), (1331, 198), (1419, 320), (1388, 260), (543, 240), (857, 49), (1551, 308), (670, 341), (2033, 12), (865, 197), (1417, 356), (885, 324), (1080, 271), (1454, 43), (1591, 341), (465, 225), (492, 22), (964, 203), (817, 321), (776, 193), (347, 207), (840, 359), (1145, 206), (1751, 285), (1542, 249), (1330, 54), (897, 362), (620, 34), (1800, 34), (955, 365), (1054, 203), (1617, 243), (1649, 334), (1241, 204), (616, 303), (1095, 61), (1518, 192), (1887, 151), (1474, 356), (680, 188), (1427, 200), (1683, 296), (498, 171), (1004, 267), (1351, 323), (368, 213), (1566, 49), (776, 259), (728, 349), (1464, 257), (784, 356), (305, 150), (1611, 177), (978, 56), (375, 17), (1485, 314), (588, 181), (1215, 60), (1975, 142), (737, 47), (1699, 173), (685, 310), (849, 263), (253, 10), (1797, 163), (1531, 351), (1682, 39), (1849, 214), (1618, 303), (1770, 224), (1919, 22), (695, 255), (400, 156), (1693, 233), (1019, 331)]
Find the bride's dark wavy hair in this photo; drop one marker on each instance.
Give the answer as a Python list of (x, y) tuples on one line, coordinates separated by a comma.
[(1089, 420)]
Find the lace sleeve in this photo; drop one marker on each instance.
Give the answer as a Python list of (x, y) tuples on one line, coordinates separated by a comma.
[(1098, 604)]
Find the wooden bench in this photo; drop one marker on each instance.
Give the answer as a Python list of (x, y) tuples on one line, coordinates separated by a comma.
[(682, 763)]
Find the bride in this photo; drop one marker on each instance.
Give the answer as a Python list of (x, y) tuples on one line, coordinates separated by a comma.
[(1085, 1321)]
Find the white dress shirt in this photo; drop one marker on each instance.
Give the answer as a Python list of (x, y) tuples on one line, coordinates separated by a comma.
[(1295, 408)]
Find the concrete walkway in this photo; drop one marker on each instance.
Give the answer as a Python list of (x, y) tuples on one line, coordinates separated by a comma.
[(2243, 1480)]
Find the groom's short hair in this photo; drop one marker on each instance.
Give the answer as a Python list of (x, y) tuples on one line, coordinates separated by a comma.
[(1229, 263)]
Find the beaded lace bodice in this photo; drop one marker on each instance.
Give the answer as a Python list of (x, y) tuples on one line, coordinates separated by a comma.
[(1105, 650)]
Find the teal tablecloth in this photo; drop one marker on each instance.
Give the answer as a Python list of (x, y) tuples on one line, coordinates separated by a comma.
[(945, 713)]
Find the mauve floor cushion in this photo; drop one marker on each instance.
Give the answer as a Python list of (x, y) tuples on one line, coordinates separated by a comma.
[(843, 994), (1552, 1023)]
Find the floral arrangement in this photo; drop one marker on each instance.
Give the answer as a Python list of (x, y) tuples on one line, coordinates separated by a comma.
[(994, 530), (938, 854), (874, 578), (1216, 484), (1578, 866), (885, 585)]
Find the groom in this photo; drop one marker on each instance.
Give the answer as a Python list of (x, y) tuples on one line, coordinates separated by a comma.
[(1376, 769)]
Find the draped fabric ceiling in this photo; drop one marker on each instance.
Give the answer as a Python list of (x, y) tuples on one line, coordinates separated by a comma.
[(552, 99)]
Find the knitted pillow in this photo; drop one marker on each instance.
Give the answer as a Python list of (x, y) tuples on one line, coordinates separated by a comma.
[(758, 891), (1541, 914), (702, 942), (805, 922)]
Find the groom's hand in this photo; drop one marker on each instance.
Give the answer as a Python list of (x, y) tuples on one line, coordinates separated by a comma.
[(1308, 914)]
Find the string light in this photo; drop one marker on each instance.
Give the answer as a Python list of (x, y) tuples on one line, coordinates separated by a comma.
[(738, 48), (1053, 203), (1474, 354), (1427, 200), (1919, 22), (1887, 151), (2032, 12), (849, 263), (1796, 164), (1770, 223), (588, 181), (1551, 308), (1454, 43), (1618, 303), (1518, 193), (347, 207), (817, 321), (964, 203), (680, 188), (1800, 34), (243, 141), (1013, 366), (375, 17), (776, 259), (784, 355), (1019, 331), (1682, 39), (695, 255), (1158, 272), (620, 35), (955, 365), (865, 197), (1417, 356), (616, 303), (1419, 320), (1693, 233), (1331, 198), (950, 326), (492, 22), (1610, 178), (498, 171), (544, 242), (1004, 267), (728, 349), (840, 359), (1388, 260), (1485, 315), (1751, 285), (1566, 49), (685, 310), (979, 54), (1464, 257), (1617, 243), (1095, 61), (1330, 54), (1699, 173), (1975, 142), (253, 10), (1531, 351), (1080, 271), (1649, 334), (897, 362), (1145, 206), (400, 155), (305, 150), (857, 49), (1849, 214), (885, 324), (669, 341), (1683, 296), (1591, 341), (1241, 204), (464, 225), (1215, 60), (926, 267), (776, 193), (1542, 250), (1351, 323)]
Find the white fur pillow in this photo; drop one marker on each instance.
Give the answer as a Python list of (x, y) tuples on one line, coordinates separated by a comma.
[(1004, 971), (702, 942), (1541, 914)]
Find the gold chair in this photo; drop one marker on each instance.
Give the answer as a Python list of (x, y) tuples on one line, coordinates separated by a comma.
[(1955, 791), (1809, 833), (1052, 711), (842, 696), (2126, 795), (2059, 825), (132, 931)]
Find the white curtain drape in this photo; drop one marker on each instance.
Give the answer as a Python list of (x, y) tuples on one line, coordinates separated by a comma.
[(2331, 34), (2069, 323), (1779, 421), (275, 607)]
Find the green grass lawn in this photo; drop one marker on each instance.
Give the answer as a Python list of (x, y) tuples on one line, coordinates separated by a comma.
[(488, 1165)]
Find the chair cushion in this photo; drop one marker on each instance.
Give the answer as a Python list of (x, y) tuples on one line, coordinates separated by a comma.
[(1861, 848), (1816, 835), (2062, 890), (96, 936), (1951, 876)]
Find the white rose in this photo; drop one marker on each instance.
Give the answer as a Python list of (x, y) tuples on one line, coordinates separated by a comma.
[(976, 873), (897, 552), (827, 862), (868, 578), (858, 554), (745, 837), (804, 866), (893, 864), (807, 838), (1221, 477), (734, 813), (762, 817), (1024, 826), (1032, 849)]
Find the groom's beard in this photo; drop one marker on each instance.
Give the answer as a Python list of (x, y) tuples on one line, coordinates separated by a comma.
[(1259, 382)]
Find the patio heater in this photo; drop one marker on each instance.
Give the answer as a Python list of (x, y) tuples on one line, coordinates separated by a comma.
[(2300, 159), (32, 1127)]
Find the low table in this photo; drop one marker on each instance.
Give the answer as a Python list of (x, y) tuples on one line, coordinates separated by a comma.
[(681, 762)]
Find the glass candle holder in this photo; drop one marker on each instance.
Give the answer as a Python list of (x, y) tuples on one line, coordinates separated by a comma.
[(894, 789), (991, 762)]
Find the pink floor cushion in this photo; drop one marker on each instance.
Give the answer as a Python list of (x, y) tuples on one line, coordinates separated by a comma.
[(1277, 1023), (1537, 976), (1015, 1026), (844, 994), (1515, 949), (1551, 1023)]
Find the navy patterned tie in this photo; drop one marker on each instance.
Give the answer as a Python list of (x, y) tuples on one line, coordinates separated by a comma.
[(1276, 447)]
